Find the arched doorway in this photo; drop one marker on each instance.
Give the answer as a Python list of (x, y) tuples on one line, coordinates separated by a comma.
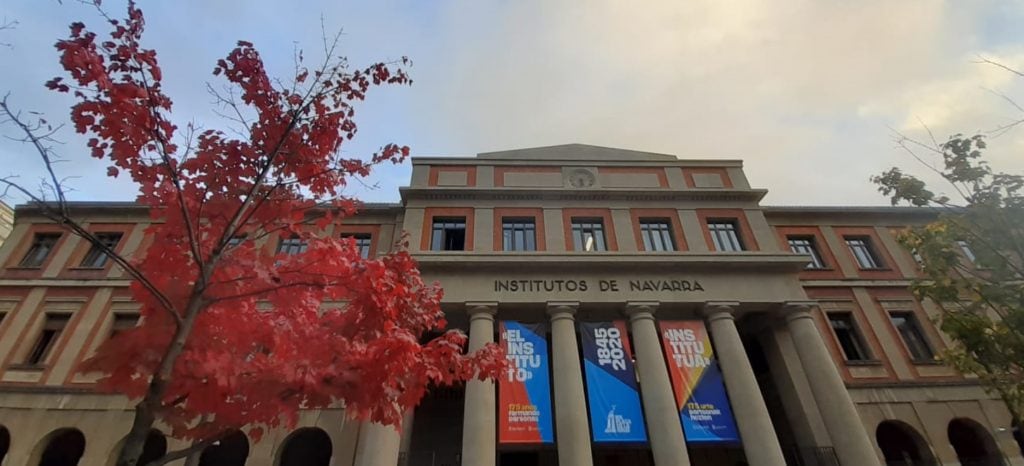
[(63, 447), (5, 443), (308, 446), (231, 451), (155, 447), (973, 444), (901, 445)]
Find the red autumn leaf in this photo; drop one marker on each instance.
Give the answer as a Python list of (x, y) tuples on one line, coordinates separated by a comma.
[(267, 335)]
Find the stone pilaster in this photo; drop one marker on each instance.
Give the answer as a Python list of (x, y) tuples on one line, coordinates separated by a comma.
[(663, 425), (850, 440), (571, 425), (478, 422), (760, 443), (378, 445)]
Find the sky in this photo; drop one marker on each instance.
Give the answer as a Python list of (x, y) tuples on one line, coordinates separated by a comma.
[(812, 95)]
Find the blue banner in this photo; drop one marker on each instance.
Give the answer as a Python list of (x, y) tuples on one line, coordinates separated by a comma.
[(615, 412), (524, 393)]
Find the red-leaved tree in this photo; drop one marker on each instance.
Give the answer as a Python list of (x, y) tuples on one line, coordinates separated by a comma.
[(234, 335)]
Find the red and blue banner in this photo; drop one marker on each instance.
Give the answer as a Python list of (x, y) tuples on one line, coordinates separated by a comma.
[(524, 393), (697, 381), (612, 391)]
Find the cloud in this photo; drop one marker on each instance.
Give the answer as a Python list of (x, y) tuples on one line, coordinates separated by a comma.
[(806, 92)]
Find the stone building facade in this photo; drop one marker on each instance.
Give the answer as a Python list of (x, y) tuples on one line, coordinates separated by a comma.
[(825, 357)]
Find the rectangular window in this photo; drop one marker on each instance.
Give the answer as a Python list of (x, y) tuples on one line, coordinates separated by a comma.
[(724, 235), (363, 242), (806, 245), (848, 334), (913, 337), (863, 251), (657, 234), (291, 246), (52, 328), (588, 234), (96, 258), (42, 245), (448, 234), (966, 249), (123, 322), (518, 234)]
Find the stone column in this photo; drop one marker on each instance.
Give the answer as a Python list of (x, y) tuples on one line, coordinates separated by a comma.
[(663, 424), (571, 426), (760, 443), (850, 439), (378, 445), (479, 425)]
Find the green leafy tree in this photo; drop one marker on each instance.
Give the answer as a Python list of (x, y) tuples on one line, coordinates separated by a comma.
[(971, 259)]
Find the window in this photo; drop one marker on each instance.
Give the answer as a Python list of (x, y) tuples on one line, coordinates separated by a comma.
[(657, 234), (363, 242), (863, 251), (52, 328), (235, 241), (448, 234), (291, 246), (968, 253), (123, 322), (913, 337), (96, 258), (588, 234), (724, 236), (806, 245), (518, 234), (846, 332), (42, 244)]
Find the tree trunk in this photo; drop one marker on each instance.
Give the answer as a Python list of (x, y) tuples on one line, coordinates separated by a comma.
[(145, 412), (136, 439)]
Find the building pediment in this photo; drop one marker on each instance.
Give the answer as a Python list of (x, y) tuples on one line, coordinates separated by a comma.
[(576, 152)]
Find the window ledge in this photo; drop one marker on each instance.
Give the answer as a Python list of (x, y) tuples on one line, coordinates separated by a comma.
[(875, 269), (27, 367), (864, 362), (25, 267), (927, 362), (87, 269), (819, 269)]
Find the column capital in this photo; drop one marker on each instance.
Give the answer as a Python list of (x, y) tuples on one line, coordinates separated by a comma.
[(485, 310), (714, 310), (562, 309), (641, 309), (793, 310)]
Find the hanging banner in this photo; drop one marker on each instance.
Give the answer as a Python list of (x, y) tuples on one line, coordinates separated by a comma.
[(612, 392), (697, 381), (524, 393)]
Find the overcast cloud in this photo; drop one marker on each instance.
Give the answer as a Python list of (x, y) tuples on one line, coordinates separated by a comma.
[(808, 93)]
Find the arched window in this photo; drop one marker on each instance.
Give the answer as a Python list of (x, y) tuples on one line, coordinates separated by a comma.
[(308, 446), (231, 451), (902, 445), (63, 447), (973, 444), (5, 443)]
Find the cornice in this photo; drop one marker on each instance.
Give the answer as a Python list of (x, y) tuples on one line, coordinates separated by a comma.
[(537, 261), (563, 194)]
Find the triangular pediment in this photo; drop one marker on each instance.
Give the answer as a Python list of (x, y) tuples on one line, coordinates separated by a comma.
[(575, 152)]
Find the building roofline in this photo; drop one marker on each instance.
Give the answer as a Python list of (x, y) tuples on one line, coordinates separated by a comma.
[(855, 210), (29, 208)]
